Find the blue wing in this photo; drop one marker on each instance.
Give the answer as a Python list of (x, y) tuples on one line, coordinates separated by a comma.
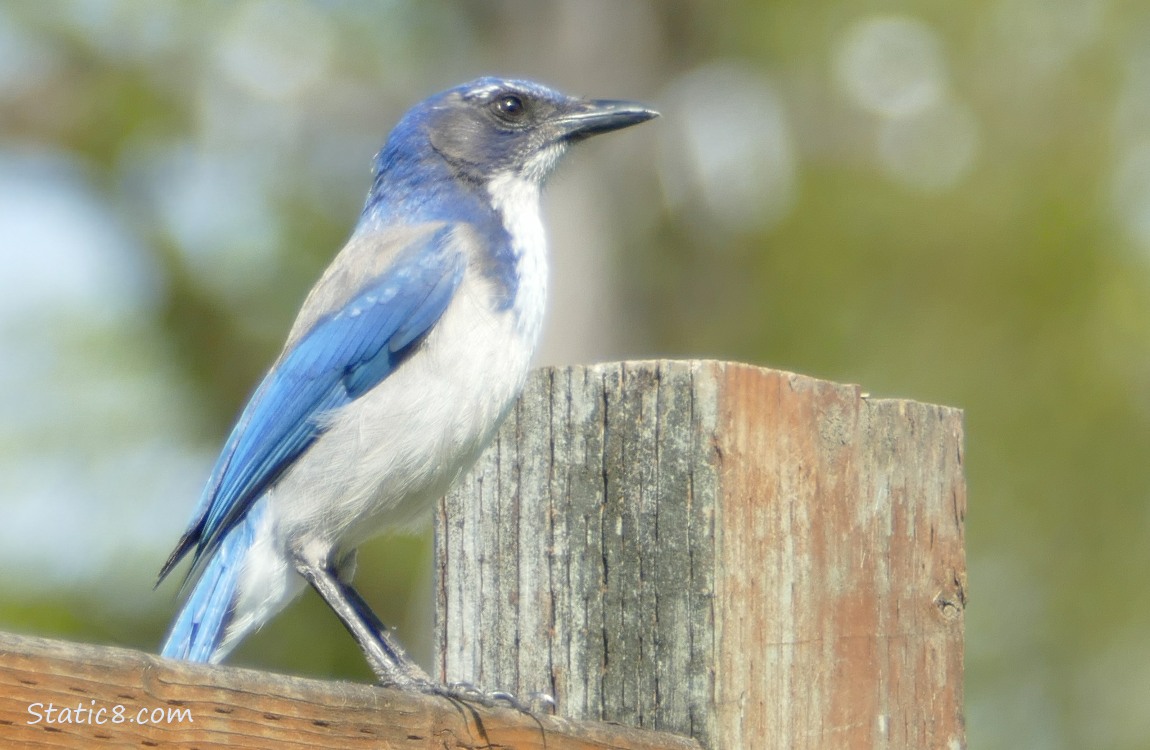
[(344, 355)]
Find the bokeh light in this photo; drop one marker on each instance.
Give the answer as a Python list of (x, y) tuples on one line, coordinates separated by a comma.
[(892, 66), (931, 149), (727, 153)]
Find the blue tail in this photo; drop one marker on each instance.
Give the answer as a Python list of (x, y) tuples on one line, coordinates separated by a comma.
[(199, 628)]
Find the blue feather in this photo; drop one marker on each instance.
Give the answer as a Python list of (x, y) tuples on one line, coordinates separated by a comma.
[(200, 626), (344, 355)]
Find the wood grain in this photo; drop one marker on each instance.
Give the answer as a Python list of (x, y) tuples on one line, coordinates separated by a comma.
[(751, 557), (226, 707)]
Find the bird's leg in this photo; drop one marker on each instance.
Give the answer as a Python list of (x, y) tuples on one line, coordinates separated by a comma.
[(384, 654)]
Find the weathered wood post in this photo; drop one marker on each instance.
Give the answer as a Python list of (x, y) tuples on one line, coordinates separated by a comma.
[(751, 557)]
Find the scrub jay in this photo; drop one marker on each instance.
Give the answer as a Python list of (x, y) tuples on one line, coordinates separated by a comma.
[(405, 358)]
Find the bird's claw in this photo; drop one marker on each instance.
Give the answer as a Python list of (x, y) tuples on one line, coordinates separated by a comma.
[(545, 701), (463, 691), (468, 692)]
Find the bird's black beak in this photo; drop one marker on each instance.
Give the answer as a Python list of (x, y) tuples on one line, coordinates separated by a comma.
[(591, 117)]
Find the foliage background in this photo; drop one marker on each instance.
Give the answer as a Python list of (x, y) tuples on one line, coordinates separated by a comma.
[(944, 202)]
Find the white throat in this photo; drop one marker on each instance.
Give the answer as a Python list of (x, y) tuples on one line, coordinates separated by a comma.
[(517, 201)]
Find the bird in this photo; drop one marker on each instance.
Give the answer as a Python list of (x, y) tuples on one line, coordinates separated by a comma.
[(401, 364)]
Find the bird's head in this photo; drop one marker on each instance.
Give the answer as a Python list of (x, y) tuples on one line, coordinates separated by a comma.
[(492, 127)]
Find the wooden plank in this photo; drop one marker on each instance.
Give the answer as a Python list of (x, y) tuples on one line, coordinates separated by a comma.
[(98, 696), (751, 557)]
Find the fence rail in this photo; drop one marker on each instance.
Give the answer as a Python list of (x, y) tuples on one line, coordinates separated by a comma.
[(102, 696)]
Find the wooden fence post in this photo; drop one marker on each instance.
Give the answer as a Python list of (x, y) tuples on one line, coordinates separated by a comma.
[(754, 558)]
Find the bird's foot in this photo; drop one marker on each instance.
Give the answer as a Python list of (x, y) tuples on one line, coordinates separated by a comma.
[(466, 692), (535, 702)]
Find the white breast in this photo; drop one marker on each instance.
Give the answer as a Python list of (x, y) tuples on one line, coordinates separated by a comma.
[(386, 457), (517, 200)]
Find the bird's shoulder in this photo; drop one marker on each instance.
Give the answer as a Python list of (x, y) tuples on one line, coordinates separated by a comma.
[(379, 252)]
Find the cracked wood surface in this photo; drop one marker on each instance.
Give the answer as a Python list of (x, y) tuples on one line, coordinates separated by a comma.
[(226, 707), (751, 557)]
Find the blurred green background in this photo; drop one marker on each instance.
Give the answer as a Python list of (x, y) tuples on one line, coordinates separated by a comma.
[(943, 202)]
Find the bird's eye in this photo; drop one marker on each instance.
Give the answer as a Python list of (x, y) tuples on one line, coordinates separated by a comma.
[(509, 107)]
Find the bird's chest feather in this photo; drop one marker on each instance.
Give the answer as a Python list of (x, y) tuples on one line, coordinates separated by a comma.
[(517, 202), (388, 455)]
